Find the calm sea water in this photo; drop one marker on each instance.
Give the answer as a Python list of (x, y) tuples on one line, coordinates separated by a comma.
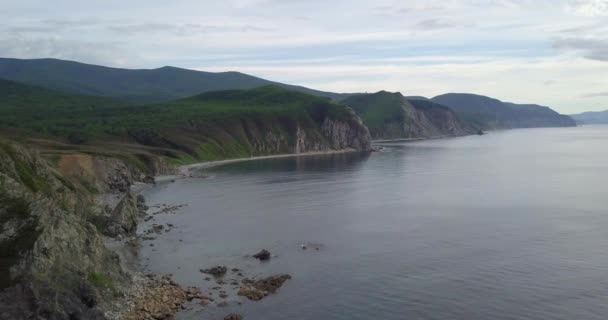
[(510, 225)]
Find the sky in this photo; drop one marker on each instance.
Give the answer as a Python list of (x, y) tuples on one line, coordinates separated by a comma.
[(553, 53)]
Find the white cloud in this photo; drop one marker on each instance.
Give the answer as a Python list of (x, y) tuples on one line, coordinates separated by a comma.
[(591, 8), (511, 49)]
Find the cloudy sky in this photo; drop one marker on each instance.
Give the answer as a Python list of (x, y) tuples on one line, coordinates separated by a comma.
[(538, 51)]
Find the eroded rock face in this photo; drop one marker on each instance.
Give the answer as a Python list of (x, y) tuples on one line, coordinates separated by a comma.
[(350, 134), (55, 265)]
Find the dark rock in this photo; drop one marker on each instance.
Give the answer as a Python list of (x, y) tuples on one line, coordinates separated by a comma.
[(217, 271), (233, 316), (87, 295), (258, 289), (262, 255), (149, 179)]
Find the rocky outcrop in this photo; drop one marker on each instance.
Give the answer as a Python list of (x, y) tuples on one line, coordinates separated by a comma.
[(218, 271), (346, 135), (258, 289), (238, 138), (54, 263), (391, 116)]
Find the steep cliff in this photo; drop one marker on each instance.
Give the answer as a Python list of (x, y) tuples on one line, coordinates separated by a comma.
[(54, 263), (392, 116)]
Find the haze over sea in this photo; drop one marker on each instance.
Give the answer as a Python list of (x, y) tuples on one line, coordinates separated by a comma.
[(510, 225)]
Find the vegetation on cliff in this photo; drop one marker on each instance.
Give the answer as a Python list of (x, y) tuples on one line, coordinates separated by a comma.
[(391, 116), (53, 263), (209, 126)]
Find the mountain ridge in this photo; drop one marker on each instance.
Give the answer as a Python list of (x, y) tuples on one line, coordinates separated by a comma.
[(491, 113), (138, 85), (591, 117)]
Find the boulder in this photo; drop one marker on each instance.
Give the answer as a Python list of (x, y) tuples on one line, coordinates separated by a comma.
[(149, 179), (233, 316)]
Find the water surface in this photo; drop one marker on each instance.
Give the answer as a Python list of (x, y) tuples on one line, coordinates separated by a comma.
[(510, 225)]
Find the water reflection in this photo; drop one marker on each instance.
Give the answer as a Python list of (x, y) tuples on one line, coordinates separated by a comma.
[(327, 162)]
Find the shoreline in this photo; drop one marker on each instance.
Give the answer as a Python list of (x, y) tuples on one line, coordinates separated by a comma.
[(185, 170), (421, 139)]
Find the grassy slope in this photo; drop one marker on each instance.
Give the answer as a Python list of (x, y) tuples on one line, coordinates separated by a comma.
[(145, 85), (377, 109), (208, 126)]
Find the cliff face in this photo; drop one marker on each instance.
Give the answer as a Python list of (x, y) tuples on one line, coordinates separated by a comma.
[(391, 116), (54, 263), (237, 138)]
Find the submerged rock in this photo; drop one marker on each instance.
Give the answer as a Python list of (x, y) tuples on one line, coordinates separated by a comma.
[(258, 289), (217, 271), (263, 255)]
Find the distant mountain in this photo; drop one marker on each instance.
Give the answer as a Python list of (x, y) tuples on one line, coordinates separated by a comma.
[(145, 85), (591, 117), (417, 98), (391, 116), (489, 113)]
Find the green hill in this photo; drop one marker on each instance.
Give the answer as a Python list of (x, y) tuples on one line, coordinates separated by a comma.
[(391, 116), (490, 113), (212, 125), (145, 85)]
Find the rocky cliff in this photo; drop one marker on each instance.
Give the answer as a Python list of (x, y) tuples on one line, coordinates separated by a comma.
[(392, 116), (201, 140), (54, 264)]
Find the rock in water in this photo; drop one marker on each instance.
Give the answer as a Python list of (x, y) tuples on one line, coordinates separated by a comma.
[(233, 316), (258, 289), (217, 271), (262, 255)]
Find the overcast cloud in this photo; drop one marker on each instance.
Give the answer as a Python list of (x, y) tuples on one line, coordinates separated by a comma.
[(539, 51)]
